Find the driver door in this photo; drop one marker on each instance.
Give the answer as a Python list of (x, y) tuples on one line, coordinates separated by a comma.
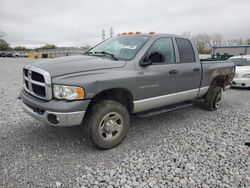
[(158, 82)]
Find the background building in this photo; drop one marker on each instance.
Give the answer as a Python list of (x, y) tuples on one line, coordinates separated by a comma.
[(53, 53)]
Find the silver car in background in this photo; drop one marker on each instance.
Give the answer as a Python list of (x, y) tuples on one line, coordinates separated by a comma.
[(20, 54), (242, 72)]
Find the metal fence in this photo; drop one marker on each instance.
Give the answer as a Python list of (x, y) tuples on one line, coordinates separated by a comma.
[(53, 53)]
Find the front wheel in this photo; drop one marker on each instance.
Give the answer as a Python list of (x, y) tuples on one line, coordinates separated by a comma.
[(213, 98), (108, 123)]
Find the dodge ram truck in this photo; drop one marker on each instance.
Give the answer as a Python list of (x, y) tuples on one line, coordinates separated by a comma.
[(124, 75)]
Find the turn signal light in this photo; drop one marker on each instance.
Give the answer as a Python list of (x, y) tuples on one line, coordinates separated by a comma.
[(79, 93)]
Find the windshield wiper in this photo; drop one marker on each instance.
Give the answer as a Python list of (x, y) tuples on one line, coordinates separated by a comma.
[(88, 53), (106, 53), (239, 65)]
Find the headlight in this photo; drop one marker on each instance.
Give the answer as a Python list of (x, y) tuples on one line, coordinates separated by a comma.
[(68, 92), (246, 76)]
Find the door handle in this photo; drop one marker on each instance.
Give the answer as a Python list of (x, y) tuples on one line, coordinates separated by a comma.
[(196, 69), (173, 72)]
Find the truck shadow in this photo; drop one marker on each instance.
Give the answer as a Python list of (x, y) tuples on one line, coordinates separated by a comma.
[(240, 88)]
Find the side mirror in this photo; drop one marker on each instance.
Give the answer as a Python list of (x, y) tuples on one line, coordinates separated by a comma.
[(154, 57), (145, 61)]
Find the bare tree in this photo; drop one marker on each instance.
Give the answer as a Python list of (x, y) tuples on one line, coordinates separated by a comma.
[(205, 42), (216, 39), (202, 41), (4, 45), (186, 34), (235, 42), (247, 42)]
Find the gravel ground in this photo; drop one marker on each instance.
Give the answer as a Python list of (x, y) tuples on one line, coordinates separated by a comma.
[(186, 148)]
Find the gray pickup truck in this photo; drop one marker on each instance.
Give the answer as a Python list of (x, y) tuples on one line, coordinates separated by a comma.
[(124, 75)]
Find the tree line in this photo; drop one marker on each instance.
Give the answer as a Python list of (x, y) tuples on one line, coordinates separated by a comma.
[(205, 41), (4, 46)]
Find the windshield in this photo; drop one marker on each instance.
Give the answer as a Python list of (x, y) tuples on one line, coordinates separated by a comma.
[(121, 47), (241, 61)]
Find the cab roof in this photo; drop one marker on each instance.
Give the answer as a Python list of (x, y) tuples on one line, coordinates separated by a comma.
[(154, 35)]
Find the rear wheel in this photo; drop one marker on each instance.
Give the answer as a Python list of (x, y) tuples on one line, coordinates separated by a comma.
[(213, 98), (108, 123)]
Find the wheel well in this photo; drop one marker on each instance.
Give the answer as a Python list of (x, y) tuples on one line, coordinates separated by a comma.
[(120, 95), (221, 81)]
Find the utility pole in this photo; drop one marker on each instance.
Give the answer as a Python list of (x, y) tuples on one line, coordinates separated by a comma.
[(103, 35), (111, 32)]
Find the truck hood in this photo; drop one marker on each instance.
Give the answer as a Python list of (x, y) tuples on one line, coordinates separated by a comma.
[(241, 70), (74, 64)]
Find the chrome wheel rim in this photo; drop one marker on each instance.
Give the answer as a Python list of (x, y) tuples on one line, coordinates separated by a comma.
[(217, 101), (111, 126)]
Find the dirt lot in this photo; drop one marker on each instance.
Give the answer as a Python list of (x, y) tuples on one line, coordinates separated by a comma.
[(186, 148)]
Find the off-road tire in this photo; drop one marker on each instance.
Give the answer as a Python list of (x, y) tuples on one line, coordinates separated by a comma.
[(95, 115), (211, 98)]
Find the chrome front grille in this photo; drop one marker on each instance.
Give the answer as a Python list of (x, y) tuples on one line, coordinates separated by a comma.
[(37, 82)]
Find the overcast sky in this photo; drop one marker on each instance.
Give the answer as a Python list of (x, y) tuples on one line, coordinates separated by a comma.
[(79, 22)]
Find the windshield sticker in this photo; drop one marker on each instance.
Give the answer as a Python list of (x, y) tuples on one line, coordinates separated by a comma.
[(132, 47)]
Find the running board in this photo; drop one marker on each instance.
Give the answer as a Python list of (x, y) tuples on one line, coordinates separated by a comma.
[(164, 109)]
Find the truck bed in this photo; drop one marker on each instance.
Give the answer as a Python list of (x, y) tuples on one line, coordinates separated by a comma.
[(217, 69)]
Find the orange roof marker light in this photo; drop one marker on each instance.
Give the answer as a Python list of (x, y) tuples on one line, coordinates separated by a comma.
[(130, 33), (151, 32), (124, 33), (137, 32)]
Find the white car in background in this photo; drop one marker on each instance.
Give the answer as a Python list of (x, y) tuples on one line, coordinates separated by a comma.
[(242, 72), (20, 54)]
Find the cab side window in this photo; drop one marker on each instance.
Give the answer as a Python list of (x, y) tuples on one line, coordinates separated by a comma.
[(186, 51), (165, 47)]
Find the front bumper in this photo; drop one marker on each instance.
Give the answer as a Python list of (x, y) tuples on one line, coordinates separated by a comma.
[(56, 118), (55, 112), (241, 82)]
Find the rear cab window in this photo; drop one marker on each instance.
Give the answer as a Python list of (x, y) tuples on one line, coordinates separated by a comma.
[(186, 51)]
